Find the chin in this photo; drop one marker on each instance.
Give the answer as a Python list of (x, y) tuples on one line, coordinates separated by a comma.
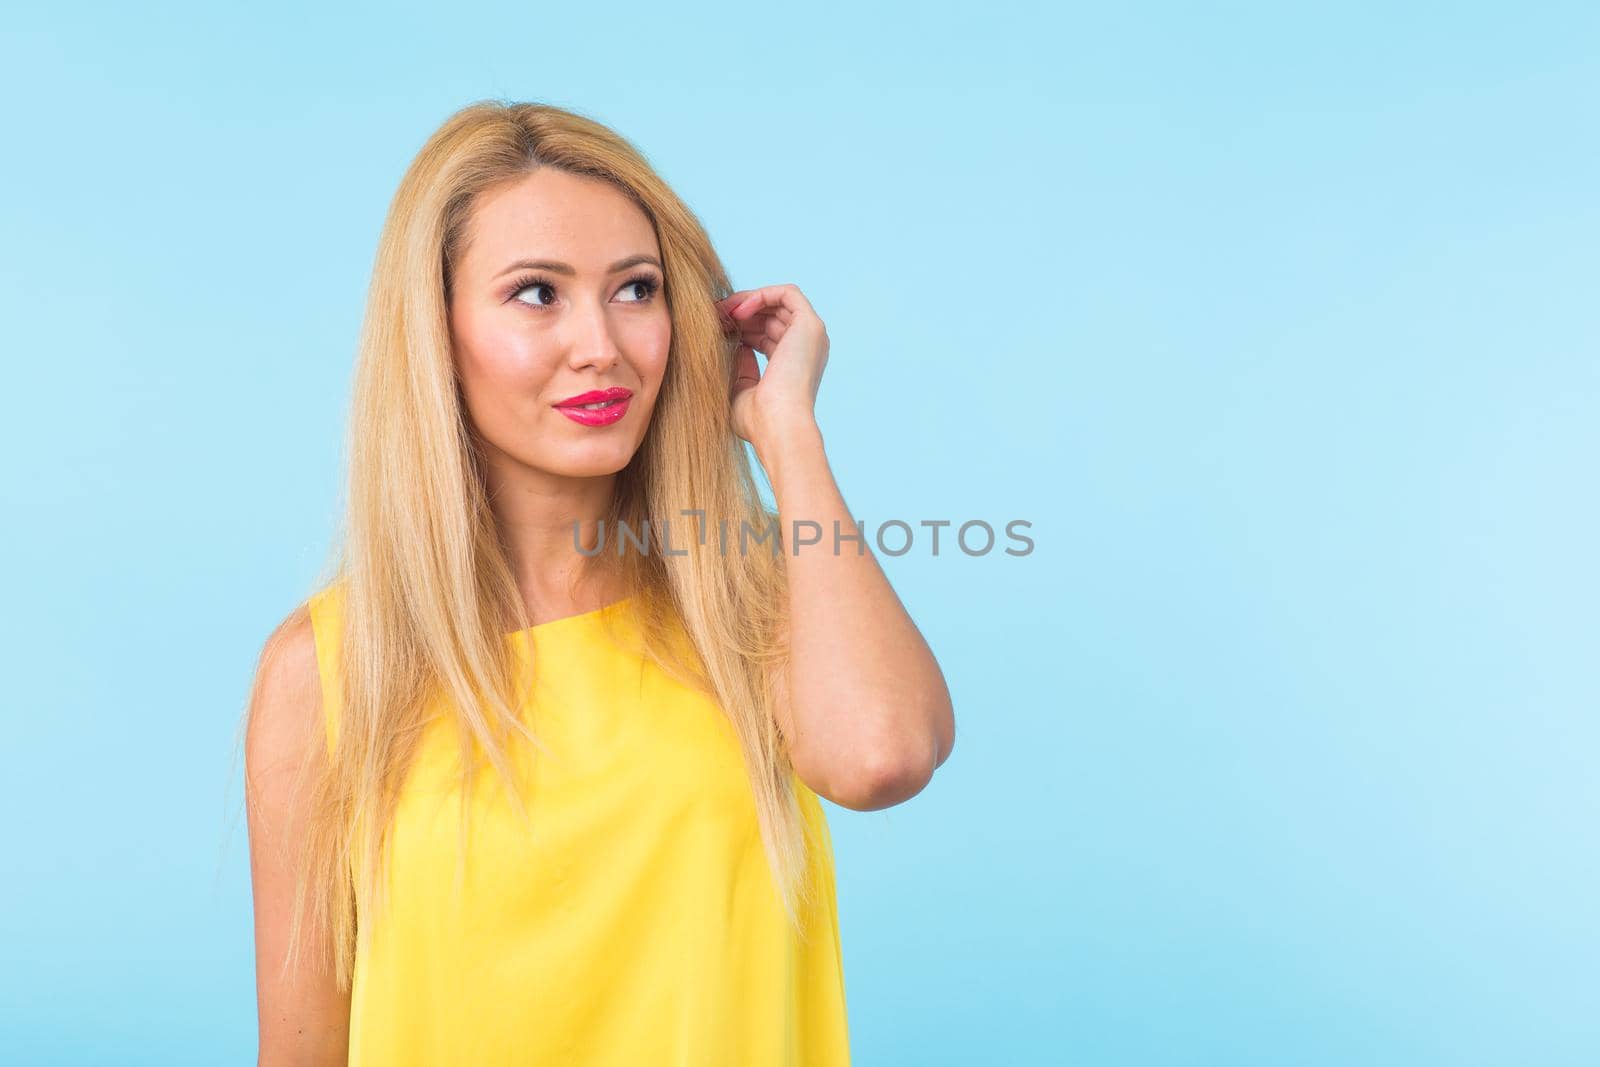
[(586, 463)]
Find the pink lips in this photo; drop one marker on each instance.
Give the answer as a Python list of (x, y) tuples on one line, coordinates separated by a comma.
[(613, 401)]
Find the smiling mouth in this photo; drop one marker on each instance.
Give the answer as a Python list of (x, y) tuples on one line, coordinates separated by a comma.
[(596, 399), (597, 413)]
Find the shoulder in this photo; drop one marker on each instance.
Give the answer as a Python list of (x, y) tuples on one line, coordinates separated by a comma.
[(286, 698), (288, 657)]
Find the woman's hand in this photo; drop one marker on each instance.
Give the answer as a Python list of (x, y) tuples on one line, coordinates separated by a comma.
[(776, 320)]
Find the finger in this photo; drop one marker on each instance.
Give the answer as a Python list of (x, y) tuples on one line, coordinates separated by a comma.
[(732, 312), (749, 314), (746, 372), (725, 319), (775, 296), (760, 322), (774, 331), (746, 301), (732, 325), (754, 312), (763, 334)]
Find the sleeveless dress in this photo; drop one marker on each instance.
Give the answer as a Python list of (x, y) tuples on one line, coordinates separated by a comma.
[(637, 924)]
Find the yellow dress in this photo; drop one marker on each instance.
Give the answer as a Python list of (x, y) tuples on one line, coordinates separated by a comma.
[(637, 925)]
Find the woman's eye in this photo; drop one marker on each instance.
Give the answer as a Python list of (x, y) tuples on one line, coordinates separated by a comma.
[(647, 285), (527, 288)]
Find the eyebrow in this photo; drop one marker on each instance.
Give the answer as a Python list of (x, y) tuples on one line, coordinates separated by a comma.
[(557, 267)]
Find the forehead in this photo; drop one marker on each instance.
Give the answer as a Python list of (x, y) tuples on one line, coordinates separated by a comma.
[(551, 214)]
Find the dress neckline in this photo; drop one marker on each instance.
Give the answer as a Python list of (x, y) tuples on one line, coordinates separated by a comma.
[(542, 627)]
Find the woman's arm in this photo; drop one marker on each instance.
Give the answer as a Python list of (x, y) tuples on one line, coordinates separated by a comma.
[(869, 707), (303, 1018), (865, 708)]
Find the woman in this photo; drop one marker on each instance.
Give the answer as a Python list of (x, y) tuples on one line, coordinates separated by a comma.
[(555, 558)]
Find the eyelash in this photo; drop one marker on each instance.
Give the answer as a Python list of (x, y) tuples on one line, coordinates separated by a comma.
[(652, 287)]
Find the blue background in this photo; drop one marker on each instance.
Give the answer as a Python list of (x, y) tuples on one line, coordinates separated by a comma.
[(1279, 326)]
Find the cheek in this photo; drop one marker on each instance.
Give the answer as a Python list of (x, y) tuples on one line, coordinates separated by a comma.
[(497, 368), (651, 347)]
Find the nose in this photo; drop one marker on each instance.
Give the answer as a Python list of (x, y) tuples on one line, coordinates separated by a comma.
[(590, 344)]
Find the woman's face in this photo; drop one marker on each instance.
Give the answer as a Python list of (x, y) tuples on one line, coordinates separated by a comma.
[(559, 294)]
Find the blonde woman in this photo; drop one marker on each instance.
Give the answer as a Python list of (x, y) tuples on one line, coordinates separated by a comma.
[(532, 773)]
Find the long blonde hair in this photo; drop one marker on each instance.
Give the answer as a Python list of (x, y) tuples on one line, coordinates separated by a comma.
[(428, 593)]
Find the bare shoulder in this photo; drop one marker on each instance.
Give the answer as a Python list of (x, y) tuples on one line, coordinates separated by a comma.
[(286, 701)]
